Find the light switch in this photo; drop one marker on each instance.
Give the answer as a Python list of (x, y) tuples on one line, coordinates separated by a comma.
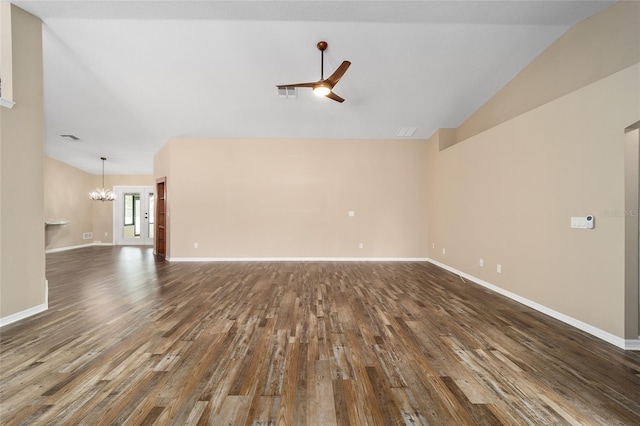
[(352, 213), (579, 222)]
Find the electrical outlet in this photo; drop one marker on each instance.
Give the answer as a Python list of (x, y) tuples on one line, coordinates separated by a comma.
[(444, 251), (360, 245), (195, 245), (499, 269), (352, 213), (481, 263), (433, 245), (106, 234)]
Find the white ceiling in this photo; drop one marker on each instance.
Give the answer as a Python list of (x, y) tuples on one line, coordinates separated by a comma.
[(125, 76)]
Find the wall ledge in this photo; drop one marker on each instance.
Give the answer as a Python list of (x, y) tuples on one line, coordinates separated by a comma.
[(297, 259), (627, 344), (23, 314), (6, 103)]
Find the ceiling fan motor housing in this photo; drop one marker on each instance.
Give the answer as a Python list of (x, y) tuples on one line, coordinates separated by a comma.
[(324, 87)]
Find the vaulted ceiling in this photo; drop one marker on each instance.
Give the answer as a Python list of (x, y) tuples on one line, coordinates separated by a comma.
[(126, 76)]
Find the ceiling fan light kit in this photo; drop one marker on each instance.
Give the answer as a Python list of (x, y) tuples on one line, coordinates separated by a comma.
[(323, 87)]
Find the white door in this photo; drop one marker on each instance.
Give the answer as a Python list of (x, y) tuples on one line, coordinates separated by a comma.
[(133, 214)]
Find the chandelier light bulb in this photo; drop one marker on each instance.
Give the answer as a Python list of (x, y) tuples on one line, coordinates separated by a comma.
[(101, 194)]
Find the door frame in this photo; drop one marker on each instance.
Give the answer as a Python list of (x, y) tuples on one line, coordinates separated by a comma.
[(120, 190), (632, 236), (160, 246)]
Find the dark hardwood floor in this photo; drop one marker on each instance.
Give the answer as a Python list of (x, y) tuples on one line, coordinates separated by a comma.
[(132, 340)]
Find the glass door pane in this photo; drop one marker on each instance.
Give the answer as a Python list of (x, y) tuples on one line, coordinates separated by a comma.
[(131, 222), (151, 214)]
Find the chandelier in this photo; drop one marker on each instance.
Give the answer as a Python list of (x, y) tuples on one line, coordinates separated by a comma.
[(102, 194)]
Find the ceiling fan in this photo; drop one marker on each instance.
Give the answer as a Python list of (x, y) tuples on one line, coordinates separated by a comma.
[(324, 87)]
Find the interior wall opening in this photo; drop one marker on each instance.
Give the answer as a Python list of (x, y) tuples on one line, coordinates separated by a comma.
[(632, 231)]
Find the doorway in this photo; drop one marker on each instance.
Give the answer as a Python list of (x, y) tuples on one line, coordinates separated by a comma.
[(161, 218), (632, 232), (134, 215)]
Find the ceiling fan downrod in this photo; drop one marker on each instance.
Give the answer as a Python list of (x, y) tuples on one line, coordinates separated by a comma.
[(322, 45)]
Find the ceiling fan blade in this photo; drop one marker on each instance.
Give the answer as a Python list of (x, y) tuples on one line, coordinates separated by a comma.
[(337, 75), (282, 86), (335, 97)]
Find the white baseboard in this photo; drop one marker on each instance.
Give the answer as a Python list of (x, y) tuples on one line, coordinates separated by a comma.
[(23, 314), (632, 345), (297, 259), (67, 248), (628, 344), (96, 243)]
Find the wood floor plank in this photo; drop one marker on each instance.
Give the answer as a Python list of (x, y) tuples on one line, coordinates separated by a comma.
[(409, 408), (289, 383), (131, 339), (234, 411), (322, 400)]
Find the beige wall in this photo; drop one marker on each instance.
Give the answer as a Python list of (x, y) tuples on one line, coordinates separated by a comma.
[(67, 196), (550, 145), (593, 49), (6, 49), (507, 196), (22, 273), (291, 198)]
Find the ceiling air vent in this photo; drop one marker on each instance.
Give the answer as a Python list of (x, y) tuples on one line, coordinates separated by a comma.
[(70, 137), (406, 132), (287, 93)]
